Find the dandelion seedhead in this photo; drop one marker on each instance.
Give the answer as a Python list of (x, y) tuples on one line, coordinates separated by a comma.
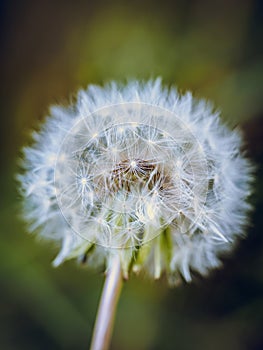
[(138, 171)]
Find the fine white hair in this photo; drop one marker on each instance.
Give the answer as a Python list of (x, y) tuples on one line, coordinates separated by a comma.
[(140, 171)]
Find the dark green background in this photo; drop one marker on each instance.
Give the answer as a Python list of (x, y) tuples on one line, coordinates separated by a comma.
[(51, 48)]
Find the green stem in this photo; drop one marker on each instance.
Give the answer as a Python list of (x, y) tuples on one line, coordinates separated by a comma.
[(106, 312)]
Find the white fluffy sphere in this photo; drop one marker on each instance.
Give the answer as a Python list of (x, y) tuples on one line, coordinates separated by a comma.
[(139, 171)]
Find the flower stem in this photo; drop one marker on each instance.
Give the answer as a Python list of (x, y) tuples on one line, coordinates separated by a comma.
[(108, 302)]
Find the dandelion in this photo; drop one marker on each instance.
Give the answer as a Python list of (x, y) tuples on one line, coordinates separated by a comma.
[(136, 178)]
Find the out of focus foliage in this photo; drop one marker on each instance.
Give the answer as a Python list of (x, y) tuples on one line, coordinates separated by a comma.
[(51, 48)]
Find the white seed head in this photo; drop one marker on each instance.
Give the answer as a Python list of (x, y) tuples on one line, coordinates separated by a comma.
[(139, 171)]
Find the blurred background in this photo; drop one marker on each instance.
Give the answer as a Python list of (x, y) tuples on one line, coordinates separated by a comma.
[(51, 48)]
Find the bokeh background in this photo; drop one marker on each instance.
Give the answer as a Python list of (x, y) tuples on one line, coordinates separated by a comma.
[(49, 49)]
